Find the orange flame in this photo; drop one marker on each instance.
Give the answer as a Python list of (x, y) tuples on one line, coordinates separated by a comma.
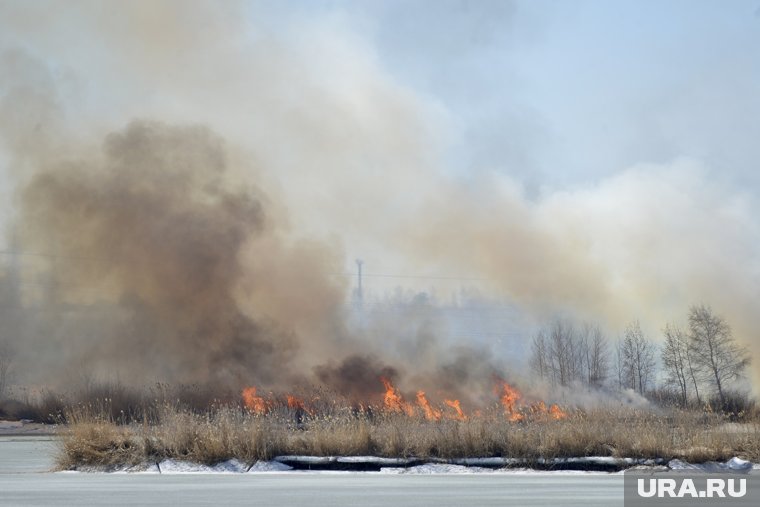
[(254, 404), (509, 397), (556, 412), (458, 409), (294, 402), (538, 408), (514, 405), (431, 414), (393, 400)]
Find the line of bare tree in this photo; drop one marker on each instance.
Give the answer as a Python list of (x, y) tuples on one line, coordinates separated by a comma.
[(700, 360), (564, 354)]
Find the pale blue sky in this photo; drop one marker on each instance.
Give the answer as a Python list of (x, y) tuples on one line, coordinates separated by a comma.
[(558, 92), (552, 93)]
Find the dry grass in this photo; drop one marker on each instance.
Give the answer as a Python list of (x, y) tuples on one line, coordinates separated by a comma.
[(95, 438)]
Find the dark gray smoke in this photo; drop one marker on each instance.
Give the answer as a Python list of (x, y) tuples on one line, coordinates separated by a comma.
[(189, 280), (155, 226), (356, 377)]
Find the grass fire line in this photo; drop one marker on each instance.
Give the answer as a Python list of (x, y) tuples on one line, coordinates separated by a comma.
[(511, 400), (261, 426)]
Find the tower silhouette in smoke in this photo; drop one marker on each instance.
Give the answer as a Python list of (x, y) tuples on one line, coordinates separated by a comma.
[(359, 293)]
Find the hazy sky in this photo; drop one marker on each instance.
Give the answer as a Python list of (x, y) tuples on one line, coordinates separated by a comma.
[(598, 157), (551, 92), (387, 104), (557, 92)]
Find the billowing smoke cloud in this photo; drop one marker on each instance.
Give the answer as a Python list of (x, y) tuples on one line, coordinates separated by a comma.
[(645, 244), (208, 253), (156, 228)]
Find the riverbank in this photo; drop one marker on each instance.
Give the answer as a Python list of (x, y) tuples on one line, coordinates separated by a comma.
[(227, 432)]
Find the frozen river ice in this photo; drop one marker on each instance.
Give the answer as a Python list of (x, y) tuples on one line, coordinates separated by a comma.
[(25, 479)]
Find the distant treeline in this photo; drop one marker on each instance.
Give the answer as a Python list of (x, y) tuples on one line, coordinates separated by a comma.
[(697, 364)]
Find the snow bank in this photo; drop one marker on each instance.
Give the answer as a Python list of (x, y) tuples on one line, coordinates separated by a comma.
[(733, 465), (435, 468), (269, 466), (143, 468), (352, 464), (170, 466)]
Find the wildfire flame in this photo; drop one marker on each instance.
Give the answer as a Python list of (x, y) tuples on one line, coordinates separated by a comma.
[(254, 404), (458, 409), (509, 397), (513, 404), (393, 400), (556, 412), (296, 403), (431, 414), (538, 408)]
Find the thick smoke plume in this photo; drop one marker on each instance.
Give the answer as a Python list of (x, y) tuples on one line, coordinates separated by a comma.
[(155, 226), (194, 281), (355, 376), (209, 253)]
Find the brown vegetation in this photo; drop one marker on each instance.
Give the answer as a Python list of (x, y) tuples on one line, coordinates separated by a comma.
[(94, 437)]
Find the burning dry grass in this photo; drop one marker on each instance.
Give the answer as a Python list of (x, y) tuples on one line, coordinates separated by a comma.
[(94, 438)]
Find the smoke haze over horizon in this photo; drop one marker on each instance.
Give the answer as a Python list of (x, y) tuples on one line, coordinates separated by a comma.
[(201, 175)]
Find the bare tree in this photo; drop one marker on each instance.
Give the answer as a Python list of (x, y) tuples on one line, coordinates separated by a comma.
[(539, 360), (622, 365), (564, 354), (6, 361), (715, 351), (11, 319), (595, 354), (692, 371), (637, 363), (674, 352), (627, 363)]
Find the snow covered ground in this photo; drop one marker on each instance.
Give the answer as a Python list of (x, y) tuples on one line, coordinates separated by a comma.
[(734, 465), (391, 466)]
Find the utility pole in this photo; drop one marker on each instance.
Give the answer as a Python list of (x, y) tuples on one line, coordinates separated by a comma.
[(14, 268), (359, 293)]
